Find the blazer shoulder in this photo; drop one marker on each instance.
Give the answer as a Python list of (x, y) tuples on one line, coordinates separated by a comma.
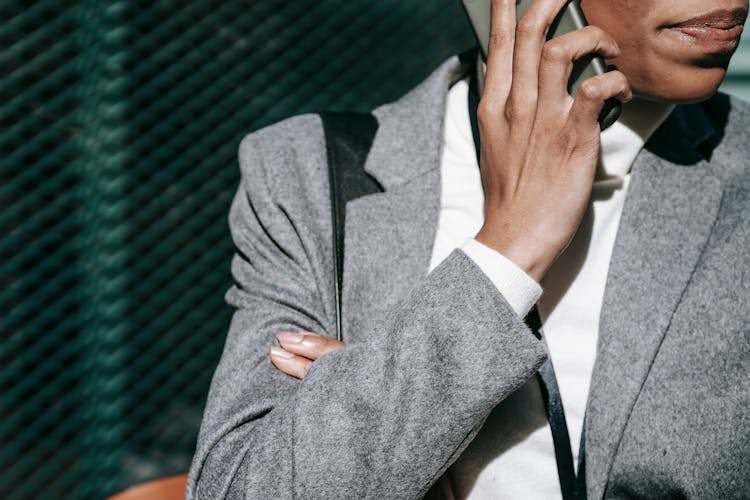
[(293, 130), (728, 150), (738, 125), (730, 162), (737, 148), (731, 117), (298, 135), (288, 157)]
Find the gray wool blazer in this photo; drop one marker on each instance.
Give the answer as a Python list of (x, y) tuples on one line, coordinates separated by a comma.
[(429, 356)]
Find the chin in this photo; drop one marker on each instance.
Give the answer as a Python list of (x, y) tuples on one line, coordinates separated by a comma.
[(675, 83), (695, 85)]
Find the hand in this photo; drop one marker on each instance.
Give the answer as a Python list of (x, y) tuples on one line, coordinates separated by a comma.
[(298, 351), (539, 145)]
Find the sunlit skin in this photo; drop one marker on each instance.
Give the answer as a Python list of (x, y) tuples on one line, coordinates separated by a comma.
[(666, 52), (670, 64)]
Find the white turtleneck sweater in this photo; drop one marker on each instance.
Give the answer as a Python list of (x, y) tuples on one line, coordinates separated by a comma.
[(513, 455)]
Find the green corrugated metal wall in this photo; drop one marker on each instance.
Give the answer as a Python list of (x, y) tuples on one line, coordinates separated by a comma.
[(120, 124)]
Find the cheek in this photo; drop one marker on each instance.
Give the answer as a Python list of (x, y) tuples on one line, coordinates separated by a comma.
[(653, 73), (655, 78), (626, 22), (618, 17)]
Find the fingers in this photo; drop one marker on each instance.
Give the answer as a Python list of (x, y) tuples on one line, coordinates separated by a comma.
[(539, 144), (591, 95), (500, 52), (299, 350), (308, 345), (291, 364), (530, 37), (558, 56)]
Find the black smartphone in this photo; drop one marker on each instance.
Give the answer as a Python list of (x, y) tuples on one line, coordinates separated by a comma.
[(571, 18)]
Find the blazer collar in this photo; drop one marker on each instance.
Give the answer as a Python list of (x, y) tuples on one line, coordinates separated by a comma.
[(687, 135), (410, 136), (672, 203), (390, 235)]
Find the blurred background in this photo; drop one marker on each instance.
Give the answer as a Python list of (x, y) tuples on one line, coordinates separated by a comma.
[(120, 126)]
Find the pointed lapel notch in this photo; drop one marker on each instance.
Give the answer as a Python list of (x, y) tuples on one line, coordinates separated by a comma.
[(389, 235), (410, 134), (668, 216)]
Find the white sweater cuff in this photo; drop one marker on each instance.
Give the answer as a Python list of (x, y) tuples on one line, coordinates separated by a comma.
[(518, 288)]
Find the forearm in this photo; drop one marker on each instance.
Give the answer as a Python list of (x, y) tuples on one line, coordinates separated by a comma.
[(385, 417)]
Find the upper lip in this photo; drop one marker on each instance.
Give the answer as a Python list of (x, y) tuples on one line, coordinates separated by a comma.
[(719, 19)]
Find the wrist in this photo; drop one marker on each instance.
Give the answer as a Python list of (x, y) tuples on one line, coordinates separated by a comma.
[(523, 252), (520, 290)]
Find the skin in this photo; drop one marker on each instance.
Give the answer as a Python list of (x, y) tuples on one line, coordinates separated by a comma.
[(665, 51), (661, 64)]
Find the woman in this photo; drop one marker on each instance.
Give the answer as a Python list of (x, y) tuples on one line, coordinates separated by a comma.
[(435, 387)]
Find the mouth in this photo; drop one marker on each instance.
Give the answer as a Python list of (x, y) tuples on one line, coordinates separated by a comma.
[(718, 31)]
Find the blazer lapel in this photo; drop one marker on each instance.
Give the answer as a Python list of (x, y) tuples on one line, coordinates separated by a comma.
[(389, 236), (672, 203), (669, 212)]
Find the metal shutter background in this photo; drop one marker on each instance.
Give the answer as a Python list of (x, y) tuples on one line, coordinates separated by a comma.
[(120, 125)]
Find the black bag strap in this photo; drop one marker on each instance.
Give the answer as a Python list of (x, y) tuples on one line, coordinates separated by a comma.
[(349, 137), (572, 485)]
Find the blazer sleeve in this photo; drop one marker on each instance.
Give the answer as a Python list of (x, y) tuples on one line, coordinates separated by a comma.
[(382, 418)]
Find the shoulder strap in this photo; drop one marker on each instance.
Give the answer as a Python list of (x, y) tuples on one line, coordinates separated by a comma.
[(349, 137)]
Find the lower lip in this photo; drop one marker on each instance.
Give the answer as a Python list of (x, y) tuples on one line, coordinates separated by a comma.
[(713, 39)]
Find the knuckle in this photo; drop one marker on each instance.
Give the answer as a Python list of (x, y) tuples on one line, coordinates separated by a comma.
[(618, 81), (596, 32), (527, 26), (320, 343), (590, 89), (601, 38), (487, 112), (621, 78), (554, 51)]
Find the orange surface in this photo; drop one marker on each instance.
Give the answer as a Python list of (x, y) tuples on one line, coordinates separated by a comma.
[(169, 488)]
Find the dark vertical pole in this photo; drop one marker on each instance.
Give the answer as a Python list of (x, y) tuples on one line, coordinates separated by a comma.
[(103, 248)]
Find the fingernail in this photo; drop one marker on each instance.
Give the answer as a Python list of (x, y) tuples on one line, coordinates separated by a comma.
[(281, 353), (290, 337)]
